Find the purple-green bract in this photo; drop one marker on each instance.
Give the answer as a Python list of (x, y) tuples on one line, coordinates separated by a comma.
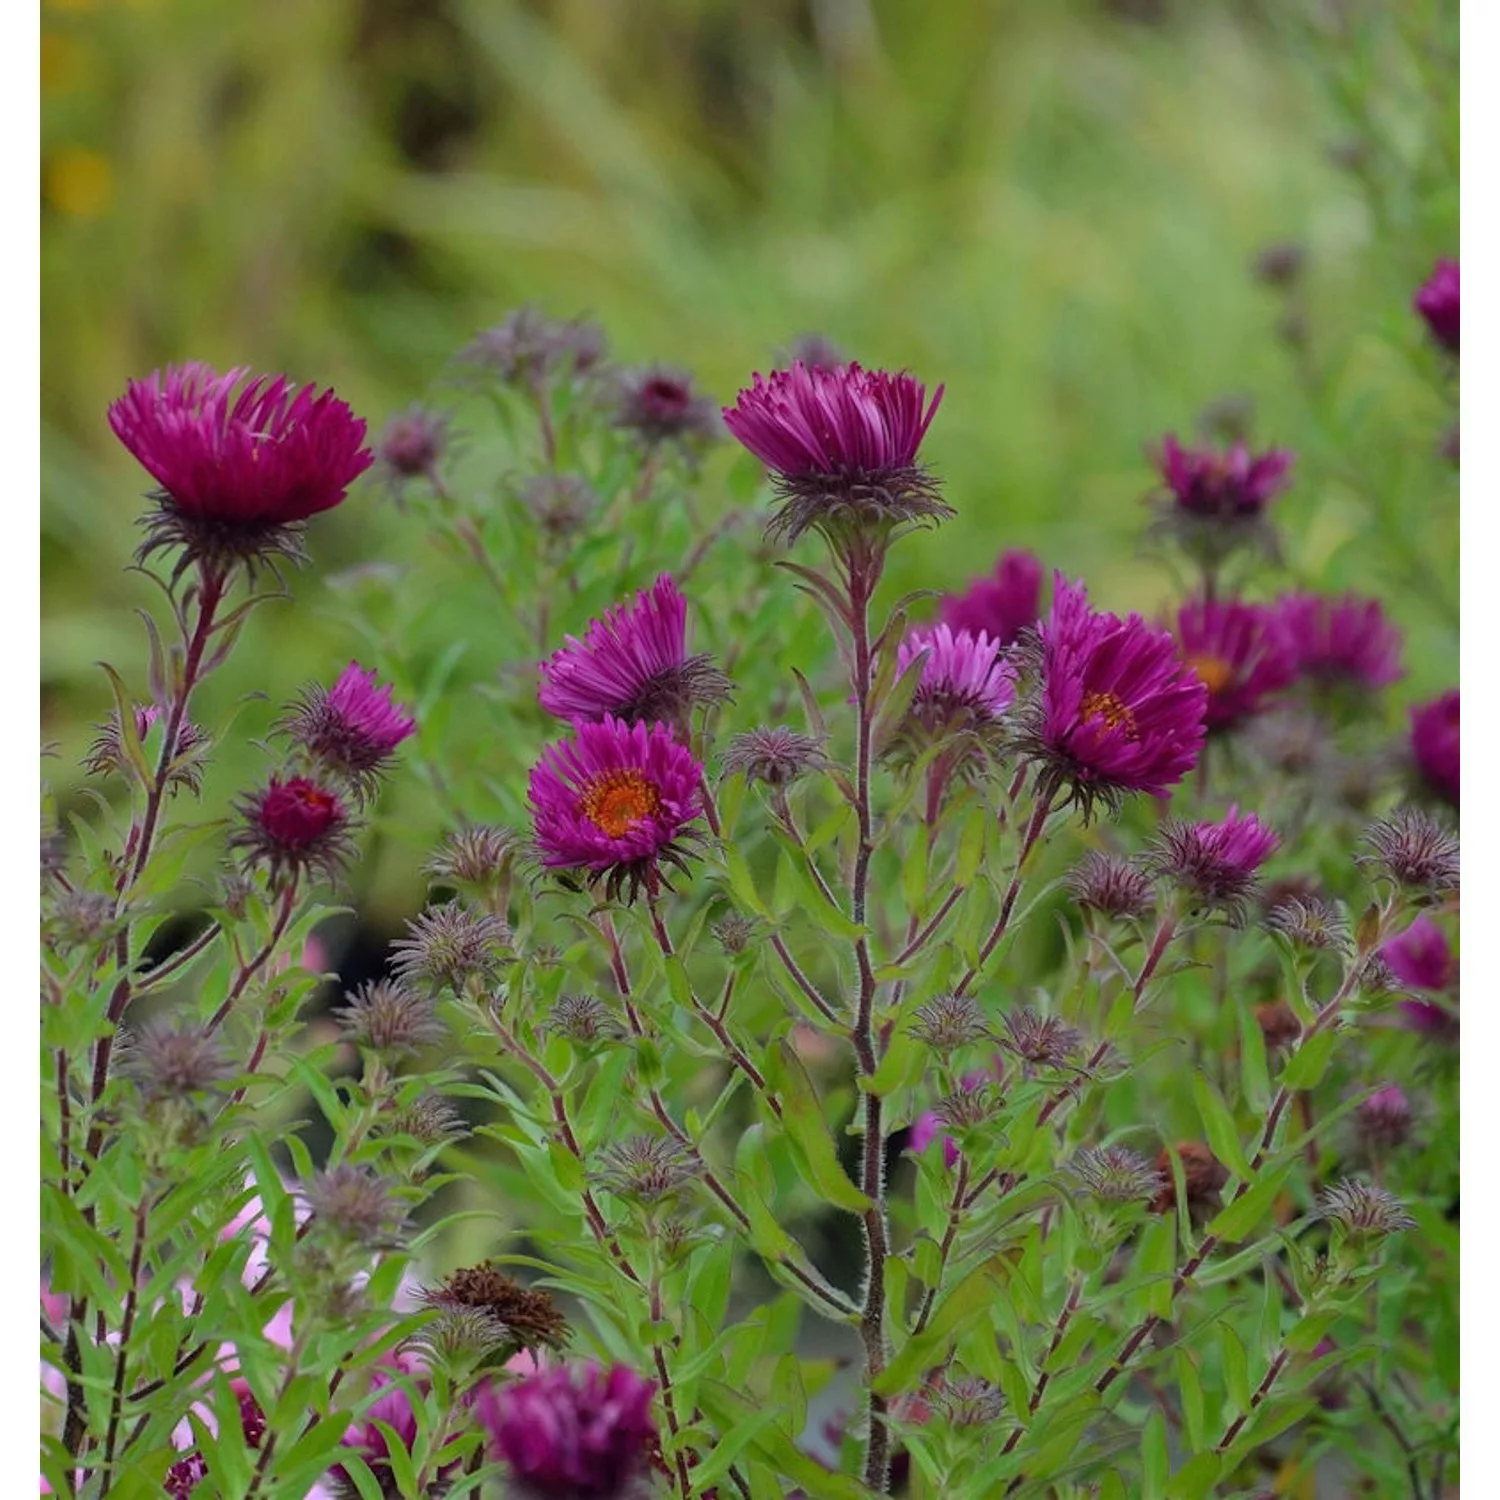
[(614, 795), (1001, 605), (572, 1434), (271, 455), (1233, 485), (1242, 653)]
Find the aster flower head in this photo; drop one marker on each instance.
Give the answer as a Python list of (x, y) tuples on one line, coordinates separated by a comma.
[(241, 466), (527, 348), (561, 505), (659, 405), (107, 754), (1002, 604), (1203, 1174), (970, 1401), (616, 800), (294, 826), (947, 1022), (80, 918), (1043, 1041), (478, 856), (167, 1060), (1434, 745), (1421, 958), (1215, 864), (1241, 651), (1115, 1174), (964, 685), (1363, 1211), (451, 944), (351, 729), (648, 1168), (777, 756), (398, 1377), (735, 933), (633, 665), (1115, 709), (1437, 303), (1229, 486), (1413, 850), (352, 1203), (1115, 887), (1310, 922), (528, 1315), (1384, 1119), (580, 1433), (429, 1120), (584, 1019), (387, 1018), (841, 443), (1343, 641), (411, 444)]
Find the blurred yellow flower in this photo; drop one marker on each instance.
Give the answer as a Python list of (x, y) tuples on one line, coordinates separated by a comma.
[(78, 182), (62, 62)]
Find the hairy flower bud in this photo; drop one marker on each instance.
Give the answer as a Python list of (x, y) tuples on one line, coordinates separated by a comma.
[(1115, 1174), (1384, 1119), (1044, 1041), (353, 1204), (584, 1020), (171, 1061), (647, 1168), (1311, 922), (479, 856), (735, 932)]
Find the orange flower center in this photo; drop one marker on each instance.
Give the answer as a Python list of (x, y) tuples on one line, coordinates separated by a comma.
[(1108, 707), (1217, 674), (619, 801)]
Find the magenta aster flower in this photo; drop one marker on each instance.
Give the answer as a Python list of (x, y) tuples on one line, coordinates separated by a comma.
[(1421, 957), (1384, 1119), (1116, 710), (1434, 744), (633, 664), (841, 442), (292, 826), (963, 683), (394, 1380), (659, 404), (1437, 302), (1342, 640), (614, 800), (572, 1434), (926, 1129), (239, 473), (352, 728), (1216, 864), (1001, 605), (1230, 486), (1242, 653)]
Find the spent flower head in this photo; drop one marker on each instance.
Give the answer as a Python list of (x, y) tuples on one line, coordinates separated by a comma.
[(451, 944), (776, 756), (241, 466), (632, 665), (1112, 885), (1115, 1174), (429, 1119), (1203, 1174), (1413, 850), (529, 1316), (1362, 1210), (387, 1018)]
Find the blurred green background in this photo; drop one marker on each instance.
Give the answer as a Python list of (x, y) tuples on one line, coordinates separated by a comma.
[(1052, 206)]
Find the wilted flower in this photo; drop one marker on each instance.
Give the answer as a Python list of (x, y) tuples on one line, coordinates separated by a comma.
[(450, 945), (1115, 887), (648, 1168), (1215, 864), (354, 1204), (294, 826), (841, 444), (1434, 745), (632, 665), (411, 444), (615, 800), (1437, 302), (1362, 1210), (352, 728), (1203, 1174), (735, 932), (1412, 849), (970, 1401), (168, 1060), (1045, 1041), (1310, 922), (1116, 710), (239, 474), (1242, 653), (571, 1434), (527, 347), (107, 753), (429, 1120), (388, 1018), (1001, 605), (1116, 1174), (560, 504), (1343, 640), (583, 1019), (529, 1316), (948, 1022), (660, 404), (1278, 1024), (478, 856), (775, 756), (1384, 1119)]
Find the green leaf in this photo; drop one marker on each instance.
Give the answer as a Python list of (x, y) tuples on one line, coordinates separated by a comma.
[(803, 1119), (1190, 1392), (1156, 1460), (1307, 1065), (1196, 1478), (1236, 1368), (964, 1305), (1218, 1123), (904, 1062), (1237, 1219)]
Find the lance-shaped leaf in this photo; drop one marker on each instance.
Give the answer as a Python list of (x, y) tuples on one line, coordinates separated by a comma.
[(807, 1129)]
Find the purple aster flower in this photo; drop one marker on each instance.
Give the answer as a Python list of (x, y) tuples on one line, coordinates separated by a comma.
[(572, 1434), (1421, 957), (1342, 640), (1216, 864), (632, 664), (1228, 486), (1384, 1119), (659, 404), (1437, 302), (963, 683), (239, 473), (1116, 709), (1001, 605), (352, 728), (614, 800), (411, 444), (393, 1406), (927, 1128), (970, 1105), (294, 825), (1242, 653), (1434, 744), (842, 444)]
